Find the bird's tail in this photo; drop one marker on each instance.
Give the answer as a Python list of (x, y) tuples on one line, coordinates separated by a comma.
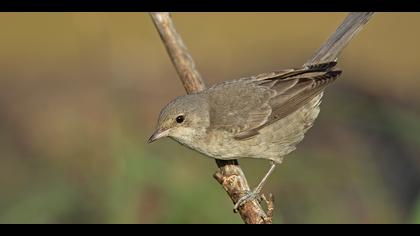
[(330, 50)]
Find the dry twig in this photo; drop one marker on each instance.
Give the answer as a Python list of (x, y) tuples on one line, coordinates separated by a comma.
[(230, 174)]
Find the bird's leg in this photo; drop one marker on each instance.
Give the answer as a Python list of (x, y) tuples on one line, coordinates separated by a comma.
[(255, 193)]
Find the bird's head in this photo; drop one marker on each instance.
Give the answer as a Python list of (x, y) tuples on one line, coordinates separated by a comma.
[(184, 119)]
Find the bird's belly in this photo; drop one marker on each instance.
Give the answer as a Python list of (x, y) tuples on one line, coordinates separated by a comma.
[(222, 145)]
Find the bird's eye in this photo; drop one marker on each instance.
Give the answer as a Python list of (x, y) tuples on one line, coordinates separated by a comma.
[(180, 119)]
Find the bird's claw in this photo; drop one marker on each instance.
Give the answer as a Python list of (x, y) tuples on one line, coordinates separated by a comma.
[(249, 196)]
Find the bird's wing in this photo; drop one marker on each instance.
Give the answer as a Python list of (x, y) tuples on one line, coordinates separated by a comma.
[(261, 100), (238, 106)]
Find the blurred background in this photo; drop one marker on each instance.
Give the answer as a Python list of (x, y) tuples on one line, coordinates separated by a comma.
[(80, 94)]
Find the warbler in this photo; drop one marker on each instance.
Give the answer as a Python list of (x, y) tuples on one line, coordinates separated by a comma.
[(263, 116)]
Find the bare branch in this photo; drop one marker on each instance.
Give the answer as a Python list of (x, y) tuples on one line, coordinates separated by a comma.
[(233, 180), (180, 57), (229, 175)]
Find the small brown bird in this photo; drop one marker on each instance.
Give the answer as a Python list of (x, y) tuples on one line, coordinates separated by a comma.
[(263, 116)]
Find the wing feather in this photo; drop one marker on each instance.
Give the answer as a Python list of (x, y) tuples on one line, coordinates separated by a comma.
[(263, 99)]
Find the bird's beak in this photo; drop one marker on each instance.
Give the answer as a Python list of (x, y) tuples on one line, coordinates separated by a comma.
[(157, 135)]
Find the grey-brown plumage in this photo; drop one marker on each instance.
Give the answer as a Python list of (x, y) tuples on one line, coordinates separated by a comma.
[(263, 116)]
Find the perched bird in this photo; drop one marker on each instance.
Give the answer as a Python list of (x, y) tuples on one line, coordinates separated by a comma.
[(263, 116)]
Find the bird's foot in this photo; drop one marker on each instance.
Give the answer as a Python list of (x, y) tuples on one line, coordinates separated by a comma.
[(249, 196)]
